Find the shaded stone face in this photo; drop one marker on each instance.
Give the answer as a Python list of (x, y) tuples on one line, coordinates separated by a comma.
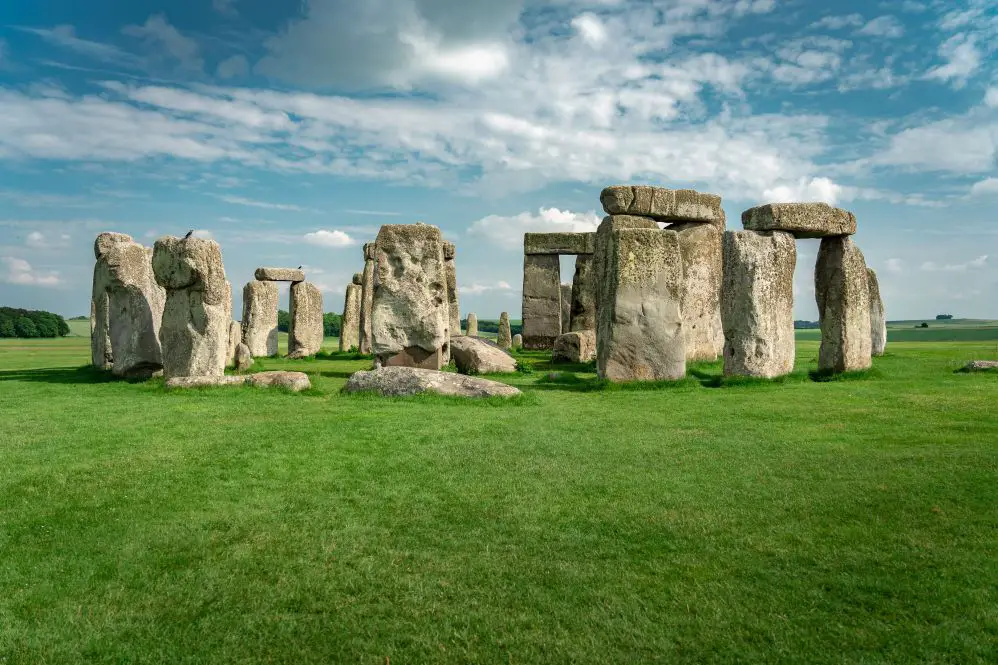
[(453, 306), (450, 251), (757, 303), (843, 294), (583, 309), (358, 279), (517, 341), (106, 241), (366, 305), (472, 325), (350, 323), (559, 243), (305, 331), (242, 357), (640, 327), (280, 275), (878, 316), (235, 339), (663, 205), (606, 228), (100, 330), (368, 251), (701, 302), (414, 356), (259, 323), (803, 220), (566, 308), (575, 347), (476, 355), (505, 337), (541, 300)]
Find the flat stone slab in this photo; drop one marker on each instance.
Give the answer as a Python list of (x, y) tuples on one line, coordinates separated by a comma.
[(280, 275), (559, 243), (406, 381), (803, 220), (981, 366), (295, 381), (476, 355), (663, 205)]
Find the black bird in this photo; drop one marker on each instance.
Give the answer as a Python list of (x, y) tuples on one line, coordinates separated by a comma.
[(189, 234), (299, 267)]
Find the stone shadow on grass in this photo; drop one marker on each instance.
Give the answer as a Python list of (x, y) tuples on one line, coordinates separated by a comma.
[(65, 375)]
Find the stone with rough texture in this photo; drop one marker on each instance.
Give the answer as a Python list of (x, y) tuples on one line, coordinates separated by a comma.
[(453, 306), (803, 220), (878, 316), (583, 310), (406, 381), (366, 299), (305, 329), (575, 347), (472, 330), (757, 303), (195, 326), (701, 302), (124, 284), (842, 291), (100, 325), (541, 311), (235, 339), (981, 366), (606, 228), (640, 334), (566, 308), (477, 355), (663, 205), (294, 381), (505, 337), (259, 324), (350, 323), (518, 341), (559, 243), (280, 275), (243, 357), (105, 241)]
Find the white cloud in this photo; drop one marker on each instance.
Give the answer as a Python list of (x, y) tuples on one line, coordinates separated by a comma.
[(166, 43), (203, 233), (590, 28), (38, 240), (979, 262), (21, 272), (805, 190), (233, 67), (895, 265), (962, 60), (507, 232), (882, 26), (965, 145), (477, 289), (991, 98), (839, 22), (988, 186), (65, 37), (243, 201), (324, 238)]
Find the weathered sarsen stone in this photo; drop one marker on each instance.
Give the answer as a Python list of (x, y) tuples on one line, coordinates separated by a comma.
[(843, 293), (195, 326), (505, 337), (878, 316), (701, 301), (517, 341), (476, 355), (259, 324), (367, 298), (606, 228), (305, 329), (472, 330), (411, 318), (575, 347), (100, 325), (583, 313), (803, 220), (280, 275), (235, 339), (243, 357), (541, 309), (405, 381), (640, 333), (663, 205), (350, 323), (559, 243), (293, 381), (453, 307), (566, 308), (757, 303)]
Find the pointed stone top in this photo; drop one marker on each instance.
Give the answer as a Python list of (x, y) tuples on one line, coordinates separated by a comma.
[(105, 241)]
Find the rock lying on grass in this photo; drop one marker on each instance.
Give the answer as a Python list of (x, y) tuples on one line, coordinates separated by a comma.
[(243, 357), (475, 355), (294, 381), (981, 366), (405, 381), (575, 347)]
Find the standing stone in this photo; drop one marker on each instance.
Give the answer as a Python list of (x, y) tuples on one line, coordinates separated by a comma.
[(367, 298), (757, 303), (541, 300), (583, 313), (100, 325), (517, 341), (505, 338), (350, 323), (701, 301), (640, 333), (305, 330), (411, 318), (259, 324), (235, 339), (878, 316), (566, 308), (842, 289), (242, 357), (472, 325), (195, 327), (450, 267), (606, 228)]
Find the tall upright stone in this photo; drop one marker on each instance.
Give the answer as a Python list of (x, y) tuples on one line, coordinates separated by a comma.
[(350, 322), (701, 302), (305, 328), (505, 338), (367, 298), (583, 314), (842, 290), (195, 319), (410, 317), (235, 339), (757, 303), (607, 227), (541, 300), (100, 324), (259, 323), (878, 316), (640, 327), (472, 330), (566, 308), (454, 307)]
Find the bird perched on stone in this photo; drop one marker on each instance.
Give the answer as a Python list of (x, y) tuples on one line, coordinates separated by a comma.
[(189, 234), (299, 267)]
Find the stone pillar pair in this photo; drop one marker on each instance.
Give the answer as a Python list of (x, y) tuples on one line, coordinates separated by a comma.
[(260, 307), (549, 307)]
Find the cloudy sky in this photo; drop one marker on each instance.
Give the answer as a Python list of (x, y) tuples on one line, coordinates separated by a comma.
[(289, 131)]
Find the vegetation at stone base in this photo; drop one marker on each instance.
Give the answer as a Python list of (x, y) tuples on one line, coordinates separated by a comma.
[(779, 522), (330, 322), (31, 324)]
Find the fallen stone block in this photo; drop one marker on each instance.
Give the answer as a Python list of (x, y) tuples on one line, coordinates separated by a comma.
[(280, 275), (476, 355), (575, 347), (981, 366), (407, 381), (294, 381), (803, 220)]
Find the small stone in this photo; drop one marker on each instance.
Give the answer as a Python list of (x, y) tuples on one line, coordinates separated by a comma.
[(350, 322), (406, 381), (293, 381), (505, 337), (472, 325), (517, 341), (477, 355), (244, 359), (663, 205), (878, 316), (280, 275), (204, 381), (981, 366), (358, 279), (803, 220), (843, 294), (306, 331), (575, 347)]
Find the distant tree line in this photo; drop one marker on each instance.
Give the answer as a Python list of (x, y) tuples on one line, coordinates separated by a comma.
[(31, 324), (943, 317), (493, 327), (330, 323), (806, 325)]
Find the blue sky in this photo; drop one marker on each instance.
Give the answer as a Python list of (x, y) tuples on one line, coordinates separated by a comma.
[(290, 131)]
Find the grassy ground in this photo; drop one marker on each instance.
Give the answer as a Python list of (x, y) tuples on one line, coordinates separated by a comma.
[(798, 522)]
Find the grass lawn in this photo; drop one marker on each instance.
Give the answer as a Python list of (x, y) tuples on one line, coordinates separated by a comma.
[(793, 522)]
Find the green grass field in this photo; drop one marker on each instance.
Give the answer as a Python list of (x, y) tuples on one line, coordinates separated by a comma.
[(789, 522)]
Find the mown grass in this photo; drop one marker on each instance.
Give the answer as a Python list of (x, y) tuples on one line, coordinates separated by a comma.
[(711, 520)]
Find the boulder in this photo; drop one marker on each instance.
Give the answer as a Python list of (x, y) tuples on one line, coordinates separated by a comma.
[(259, 324), (663, 205), (306, 331), (367, 298), (195, 326), (582, 315), (575, 347), (541, 309), (841, 287), (280, 275), (350, 323), (757, 303), (700, 245), (566, 308), (505, 337), (878, 317), (559, 243), (405, 381), (472, 325), (235, 339), (476, 355), (803, 220), (294, 381), (243, 357), (517, 341), (981, 366)]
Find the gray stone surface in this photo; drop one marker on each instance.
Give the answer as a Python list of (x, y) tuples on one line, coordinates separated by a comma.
[(350, 323), (700, 245), (100, 331), (105, 241), (280, 275), (606, 228), (305, 330), (664, 205), (878, 316), (195, 328), (843, 294), (453, 306), (981, 366), (259, 324), (367, 298), (640, 333), (411, 317), (476, 355), (803, 220), (406, 381), (517, 341), (757, 304), (505, 337), (294, 381), (541, 309), (583, 311), (566, 307), (243, 357), (559, 243), (235, 339), (472, 325), (575, 347)]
